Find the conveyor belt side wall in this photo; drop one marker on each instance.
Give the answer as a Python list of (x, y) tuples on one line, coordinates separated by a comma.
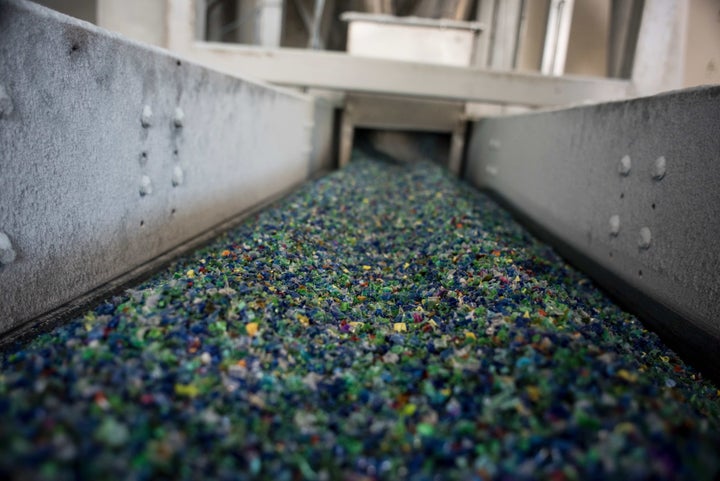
[(630, 188), (112, 153)]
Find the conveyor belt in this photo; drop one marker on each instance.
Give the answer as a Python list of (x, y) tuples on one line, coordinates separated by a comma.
[(385, 321)]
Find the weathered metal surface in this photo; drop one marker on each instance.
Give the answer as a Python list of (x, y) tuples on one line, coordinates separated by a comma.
[(630, 186), (114, 153)]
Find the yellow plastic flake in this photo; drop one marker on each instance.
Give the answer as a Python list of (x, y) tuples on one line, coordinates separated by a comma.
[(470, 335), (445, 392), (406, 265), (366, 268), (626, 375), (190, 274), (665, 358), (304, 320), (533, 393), (526, 315), (517, 279), (355, 324), (409, 409), (432, 323), (188, 390), (624, 428), (251, 328), (400, 327), (345, 271)]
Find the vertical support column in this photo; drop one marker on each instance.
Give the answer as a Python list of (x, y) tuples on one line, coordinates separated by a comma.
[(625, 17), (180, 25), (485, 16), (457, 147), (557, 36), (347, 132), (660, 53), (269, 22), (200, 20), (506, 25), (316, 41)]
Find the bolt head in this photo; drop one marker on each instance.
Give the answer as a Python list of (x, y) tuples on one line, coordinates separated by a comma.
[(146, 118), (659, 168), (7, 253), (614, 225), (145, 186), (179, 117), (625, 166), (178, 176), (644, 238)]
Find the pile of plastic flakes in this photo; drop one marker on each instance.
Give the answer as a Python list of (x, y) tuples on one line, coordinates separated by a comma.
[(383, 322)]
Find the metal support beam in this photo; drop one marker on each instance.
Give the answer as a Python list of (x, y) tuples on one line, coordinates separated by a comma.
[(337, 71), (629, 191), (113, 153)]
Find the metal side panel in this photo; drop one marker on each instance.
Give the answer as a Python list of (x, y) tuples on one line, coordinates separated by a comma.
[(631, 188), (112, 153)]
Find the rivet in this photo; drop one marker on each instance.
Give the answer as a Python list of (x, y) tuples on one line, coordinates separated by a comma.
[(7, 253), (6, 106), (659, 168), (178, 176), (625, 166), (644, 238), (614, 225), (146, 116), (494, 144), (179, 117), (145, 186)]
